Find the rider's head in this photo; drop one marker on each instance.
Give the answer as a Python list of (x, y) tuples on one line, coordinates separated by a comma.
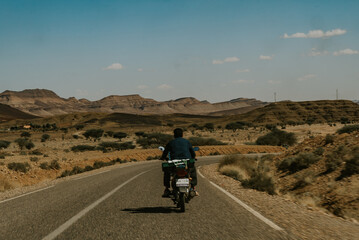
[(178, 132)]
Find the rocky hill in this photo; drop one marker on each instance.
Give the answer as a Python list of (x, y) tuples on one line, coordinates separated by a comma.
[(9, 113), (42, 102), (288, 112)]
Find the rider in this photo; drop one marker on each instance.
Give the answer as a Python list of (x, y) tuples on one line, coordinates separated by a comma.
[(178, 148)]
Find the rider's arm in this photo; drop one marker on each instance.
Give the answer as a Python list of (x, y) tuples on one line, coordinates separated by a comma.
[(191, 151), (165, 152)]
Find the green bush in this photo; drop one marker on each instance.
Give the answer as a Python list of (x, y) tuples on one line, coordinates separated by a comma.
[(228, 160), (234, 126), (110, 133), (83, 148), (277, 138), (4, 144), (297, 163), (19, 167), (36, 152), (22, 142), (209, 126), (349, 129), (198, 141), (351, 166), (139, 134), (319, 151), (55, 165), (44, 165)]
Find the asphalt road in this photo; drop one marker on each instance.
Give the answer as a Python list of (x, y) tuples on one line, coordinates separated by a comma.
[(126, 203)]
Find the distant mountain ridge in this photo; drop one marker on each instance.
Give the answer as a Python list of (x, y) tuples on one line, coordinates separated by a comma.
[(43, 102)]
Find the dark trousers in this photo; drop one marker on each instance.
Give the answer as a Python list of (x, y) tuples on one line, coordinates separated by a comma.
[(167, 176)]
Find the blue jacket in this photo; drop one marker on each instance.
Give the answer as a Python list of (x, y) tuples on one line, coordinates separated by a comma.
[(179, 148)]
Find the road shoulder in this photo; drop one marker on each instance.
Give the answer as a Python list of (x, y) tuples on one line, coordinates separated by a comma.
[(294, 218)]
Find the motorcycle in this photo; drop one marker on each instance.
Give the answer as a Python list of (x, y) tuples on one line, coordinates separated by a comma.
[(180, 180)]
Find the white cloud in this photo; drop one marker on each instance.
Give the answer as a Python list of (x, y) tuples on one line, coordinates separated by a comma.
[(217, 62), (314, 53), (242, 81), (140, 70), (261, 57), (226, 60), (242, 70), (317, 34), (273, 82), (306, 77), (164, 87), (114, 66), (347, 51), (142, 87)]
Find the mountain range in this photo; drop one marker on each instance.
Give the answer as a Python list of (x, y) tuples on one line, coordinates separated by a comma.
[(43, 103)]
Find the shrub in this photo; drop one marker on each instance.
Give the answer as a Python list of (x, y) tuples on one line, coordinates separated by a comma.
[(154, 140), (19, 167), (45, 137), (277, 138), (83, 148), (79, 126), (335, 159), (349, 129), (234, 126), (319, 151), (36, 152), (260, 182), (109, 133), (303, 180), (228, 160), (119, 135), (4, 144), (329, 139), (100, 164), (44, 166), (209, 126), (297, 163), (29, 144), (34, 159), (55, 165), (93, 133), (351, 166), (198, 141), (139, 134), (25, 134)]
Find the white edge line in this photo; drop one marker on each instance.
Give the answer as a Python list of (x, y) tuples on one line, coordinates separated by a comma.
[(248, 208), (91, 175), (72, 220), (22, 195)]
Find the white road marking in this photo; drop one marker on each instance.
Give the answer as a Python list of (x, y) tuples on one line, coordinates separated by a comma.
[(91, 175), (72, 220), (248, 208), (6, 200)]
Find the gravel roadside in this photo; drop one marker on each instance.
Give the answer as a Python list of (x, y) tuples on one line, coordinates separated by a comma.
[(296, 219)]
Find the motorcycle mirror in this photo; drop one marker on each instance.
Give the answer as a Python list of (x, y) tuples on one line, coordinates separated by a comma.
[(161, 148), (196, 148)]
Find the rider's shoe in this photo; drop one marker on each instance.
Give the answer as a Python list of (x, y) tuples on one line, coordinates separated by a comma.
[(193, 192), (166, 193)]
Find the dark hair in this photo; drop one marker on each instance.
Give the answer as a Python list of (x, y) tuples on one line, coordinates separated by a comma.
[(178, 132)]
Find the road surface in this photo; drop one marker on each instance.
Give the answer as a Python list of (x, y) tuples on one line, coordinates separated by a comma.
[(126, 203)]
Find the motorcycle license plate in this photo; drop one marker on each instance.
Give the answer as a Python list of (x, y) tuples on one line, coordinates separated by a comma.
[(182, 182)]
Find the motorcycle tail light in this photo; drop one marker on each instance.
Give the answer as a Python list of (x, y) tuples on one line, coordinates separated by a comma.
[(181, 172)]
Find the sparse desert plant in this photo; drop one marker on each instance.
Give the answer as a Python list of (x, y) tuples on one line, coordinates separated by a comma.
[(83, 148), (234, 126), (34, 159), (93, 133), (329, 139), (154, 140), (45, 137), (19, 167), (25, 134), (349, 129), (277, 138), (2, 156), (351, 166), (209, 126), (304, 180), (54, 165), (36, 152), (199, 141), (297, 163), (319, 151), (335, 159), (4, 184), (119, 135), (140, 134), (4, 144), (110, 133), (79, 126), (22, 142), (261, 182), (44, 166)]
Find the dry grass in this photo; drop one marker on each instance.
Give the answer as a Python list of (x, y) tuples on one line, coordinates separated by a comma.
[(4, 184)]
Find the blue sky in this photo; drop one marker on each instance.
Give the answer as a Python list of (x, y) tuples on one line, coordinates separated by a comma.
[(164, 49)]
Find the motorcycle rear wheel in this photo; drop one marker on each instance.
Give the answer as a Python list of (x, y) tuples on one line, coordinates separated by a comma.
[(181, 202)]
